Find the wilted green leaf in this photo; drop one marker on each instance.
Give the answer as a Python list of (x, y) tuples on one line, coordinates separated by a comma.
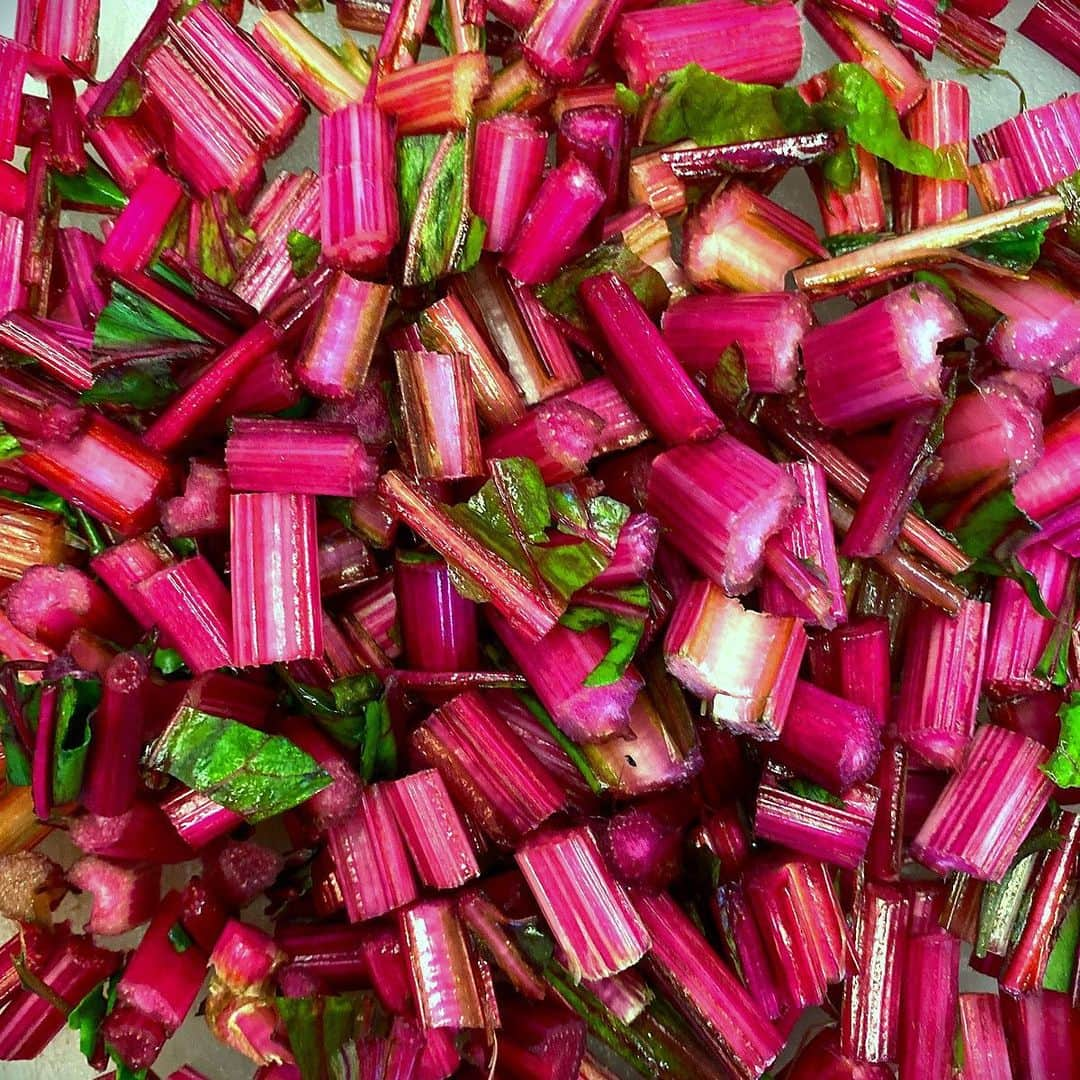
[(318, 1028), (130, 319), (304, 252), (138, 386), (1064, 764), (248, 771), (562, 295)]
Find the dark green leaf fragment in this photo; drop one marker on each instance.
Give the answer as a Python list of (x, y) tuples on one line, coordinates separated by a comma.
[(511, 515), (714, 111), (168, 662), (318, 1028), (988, 524), (351, 712), (127, 99), (224, 238), (76, 700), (248, 771), (137, 386), (130, 319), (1016, 248), (304, 252), (569, 747), (10, 447), (92, 188), (984, 532), (1064, 764), (438, 25), (939, 283), (625, 621), (86, 1018), (729, 381), (855, 103), (1062, 961), (562, 295), (1069, 190), (842, 243), (807, 789), (44, 499), (179, 938), (443, 234)]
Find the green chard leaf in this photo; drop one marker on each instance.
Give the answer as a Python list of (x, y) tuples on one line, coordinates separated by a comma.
[(183, 546), (164, 272), (378, 754), (569, 747), (10, 447), (729, 381), (842, 243), (939, 283), (255, 774), (352, 712), (179, 938), (139, 386), (87, 1017), (562, 295), (1016, 248), (1055, 663), (76, 701), (511, 514), (625, 620), (224, 238), (714, 111), (841, 169), (304, 252), (982, 533), (127, 99), (856, 104), (438, 25), (92, 188), (988, 524), (1069, 190), (598, 519), (44, 499), (807, 789), (169, 662), (18, 767), (318, 1028), (444, 236), (1062, 961), (130, 319), (1064, 764), (627, 100)]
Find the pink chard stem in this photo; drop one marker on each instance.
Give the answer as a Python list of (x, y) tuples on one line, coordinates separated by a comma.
[(297, 457), (439, 415), (565, 204), (942, 680), (643, 366), (986, 810), (587, 911), (744, 664), (274, 556), (337, 355), (487, 766), (439, 626), (741, 41)]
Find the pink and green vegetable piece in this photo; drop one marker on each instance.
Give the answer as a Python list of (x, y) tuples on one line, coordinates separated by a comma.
[(552, 607)]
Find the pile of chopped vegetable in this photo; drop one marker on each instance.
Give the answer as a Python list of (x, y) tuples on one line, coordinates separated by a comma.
[(513, 598)]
